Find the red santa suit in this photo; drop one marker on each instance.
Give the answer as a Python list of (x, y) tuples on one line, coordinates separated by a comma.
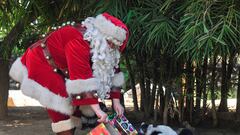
[(71, 51)]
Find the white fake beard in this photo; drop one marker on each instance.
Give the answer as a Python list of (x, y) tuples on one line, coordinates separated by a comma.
[(104, 58)]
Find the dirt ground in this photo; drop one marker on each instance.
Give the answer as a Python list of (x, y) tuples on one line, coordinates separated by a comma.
[(28, 121), (34, 121)]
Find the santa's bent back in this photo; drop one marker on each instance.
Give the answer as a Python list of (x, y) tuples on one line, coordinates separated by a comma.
[(74, 66)]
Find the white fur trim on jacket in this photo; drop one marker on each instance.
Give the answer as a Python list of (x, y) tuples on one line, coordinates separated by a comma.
[(47, 98), (80, 85), (18, 70), (34, 90), (108, 28), (66, 124), (118, 79)]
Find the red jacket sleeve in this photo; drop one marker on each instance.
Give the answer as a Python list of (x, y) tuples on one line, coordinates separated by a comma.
[(81, 79)]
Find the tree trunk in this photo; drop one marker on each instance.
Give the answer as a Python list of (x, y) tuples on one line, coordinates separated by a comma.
[(182, 96), (161, 100), (181, 99), (157, 105), (140, 61), (153, 95), (204, 78), (132, 80), (223, 104), (230, 71), (212, 87), (189, 93), (6, 48), (10, 39), (152, 98), (147, 93), (238, 93), (4, 87), (165, 112), (199, 81), (227, 83)]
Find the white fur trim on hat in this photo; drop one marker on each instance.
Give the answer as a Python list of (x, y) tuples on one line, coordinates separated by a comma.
[(34, 90), (18, 70), (106, 27), (118, 79), (82, 85), (66, 124)]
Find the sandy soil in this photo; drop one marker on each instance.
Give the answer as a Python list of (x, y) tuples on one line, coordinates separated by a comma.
[(34, 121)]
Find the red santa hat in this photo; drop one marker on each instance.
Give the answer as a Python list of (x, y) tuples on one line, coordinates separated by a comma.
[(112, 27)]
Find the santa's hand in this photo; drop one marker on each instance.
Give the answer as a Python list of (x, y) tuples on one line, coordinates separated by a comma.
[(100, 114), (118, 107)]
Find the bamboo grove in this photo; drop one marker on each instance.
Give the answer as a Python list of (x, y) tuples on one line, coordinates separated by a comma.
[(186, 49)]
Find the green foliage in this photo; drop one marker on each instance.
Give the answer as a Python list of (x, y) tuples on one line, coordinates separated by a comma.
[(164, 34), (39, 17), (207, 28)]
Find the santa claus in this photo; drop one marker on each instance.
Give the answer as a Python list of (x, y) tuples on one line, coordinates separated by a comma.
[(72, 68)]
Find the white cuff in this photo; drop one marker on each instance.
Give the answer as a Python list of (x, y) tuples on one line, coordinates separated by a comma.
[(18, 70), (66, 124), (80, 85)]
